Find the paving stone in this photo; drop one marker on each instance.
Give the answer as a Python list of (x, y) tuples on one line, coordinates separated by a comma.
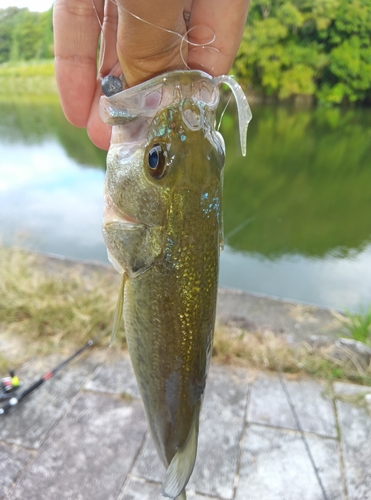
[(217, 459), (269, 405), (355, 430), (275, 466), (351, 391), (226, 393), (88, 454), (115, 378), (139, 489), (221, 425), (12, 461), (148, 465), (28, 423)]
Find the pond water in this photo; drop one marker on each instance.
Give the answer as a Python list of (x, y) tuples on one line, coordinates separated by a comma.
[(296, 210)]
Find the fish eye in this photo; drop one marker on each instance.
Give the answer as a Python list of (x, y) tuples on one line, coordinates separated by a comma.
[(156, 161)]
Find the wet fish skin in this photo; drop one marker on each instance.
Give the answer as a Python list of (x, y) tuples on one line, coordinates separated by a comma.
[(164, 234), (169, 310)]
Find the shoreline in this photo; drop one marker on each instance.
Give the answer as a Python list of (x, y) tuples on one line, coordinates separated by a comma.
[(298, 320), (52, 304), (292, 320)]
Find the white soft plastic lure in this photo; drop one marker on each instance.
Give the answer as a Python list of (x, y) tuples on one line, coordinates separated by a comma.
[(163, 230)]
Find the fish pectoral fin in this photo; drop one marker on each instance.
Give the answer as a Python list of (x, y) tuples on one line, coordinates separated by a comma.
[(118, 310), (182, 464), (132, 248)]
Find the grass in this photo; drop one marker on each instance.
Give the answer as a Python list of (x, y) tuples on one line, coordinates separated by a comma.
[(53, 310), (56, 309), (28, 69), (31, 77), (355, 399), (3, 364), (359, 325), (266, 350)]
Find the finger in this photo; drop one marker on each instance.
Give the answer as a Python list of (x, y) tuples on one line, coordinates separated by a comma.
[(150, 38), (76, 33), (108, 55), (98, 131), (187, 11), (226, 19)]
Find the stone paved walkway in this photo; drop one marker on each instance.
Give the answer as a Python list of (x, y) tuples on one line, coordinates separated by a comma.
[(83, 436)]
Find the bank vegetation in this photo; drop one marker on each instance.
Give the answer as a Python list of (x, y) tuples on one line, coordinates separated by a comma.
[(308, 50), (49, 305)]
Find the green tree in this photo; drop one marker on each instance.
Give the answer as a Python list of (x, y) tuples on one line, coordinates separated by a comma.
[(25, 35), (349, 71), (272, 57), (7, 23), (47, 47), (301, 47)]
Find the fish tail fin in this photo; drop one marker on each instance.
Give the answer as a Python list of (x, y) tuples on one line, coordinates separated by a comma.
[(118, 310), (181, 466)]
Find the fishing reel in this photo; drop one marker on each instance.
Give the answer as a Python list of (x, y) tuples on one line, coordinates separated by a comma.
[(8, 385)]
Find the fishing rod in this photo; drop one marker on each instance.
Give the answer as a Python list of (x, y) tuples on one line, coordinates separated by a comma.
[(8, 385), (14, 400)]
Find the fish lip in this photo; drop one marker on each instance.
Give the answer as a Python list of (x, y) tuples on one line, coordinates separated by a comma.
[(113, 214)]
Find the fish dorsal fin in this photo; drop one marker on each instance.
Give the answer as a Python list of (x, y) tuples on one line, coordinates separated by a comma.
[(181, 466)]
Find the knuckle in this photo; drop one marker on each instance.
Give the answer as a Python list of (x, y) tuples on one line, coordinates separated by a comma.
[(77, 8)]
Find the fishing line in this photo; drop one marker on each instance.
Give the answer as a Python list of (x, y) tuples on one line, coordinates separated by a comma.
[(224, 110), (298, 424), (96, 15), (184, 38), (102, 51), (240, 226)]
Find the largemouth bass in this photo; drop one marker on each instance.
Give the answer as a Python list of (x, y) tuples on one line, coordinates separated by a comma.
[(163, 230)]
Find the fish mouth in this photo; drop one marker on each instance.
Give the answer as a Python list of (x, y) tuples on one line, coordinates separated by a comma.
[(112, 214)]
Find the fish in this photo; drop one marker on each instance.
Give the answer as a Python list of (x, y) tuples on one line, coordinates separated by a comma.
[(163, 229)]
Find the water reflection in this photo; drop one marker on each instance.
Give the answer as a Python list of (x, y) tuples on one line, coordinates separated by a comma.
[(36, 121), (296, 210), (306, 183), (333, 282), (50, 202)]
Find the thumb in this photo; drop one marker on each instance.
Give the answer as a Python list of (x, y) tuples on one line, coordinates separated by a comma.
[(149, 38)]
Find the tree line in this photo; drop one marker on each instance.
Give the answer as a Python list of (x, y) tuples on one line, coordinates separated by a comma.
[(320, 49), (315, 48), (25, 35)]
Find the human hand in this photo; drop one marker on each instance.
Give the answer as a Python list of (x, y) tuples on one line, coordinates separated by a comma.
[(135, 45)]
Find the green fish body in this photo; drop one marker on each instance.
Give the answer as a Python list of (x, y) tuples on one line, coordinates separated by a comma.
[(163, 231)]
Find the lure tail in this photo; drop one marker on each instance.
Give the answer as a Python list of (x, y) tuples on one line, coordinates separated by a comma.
[(244, 111)]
